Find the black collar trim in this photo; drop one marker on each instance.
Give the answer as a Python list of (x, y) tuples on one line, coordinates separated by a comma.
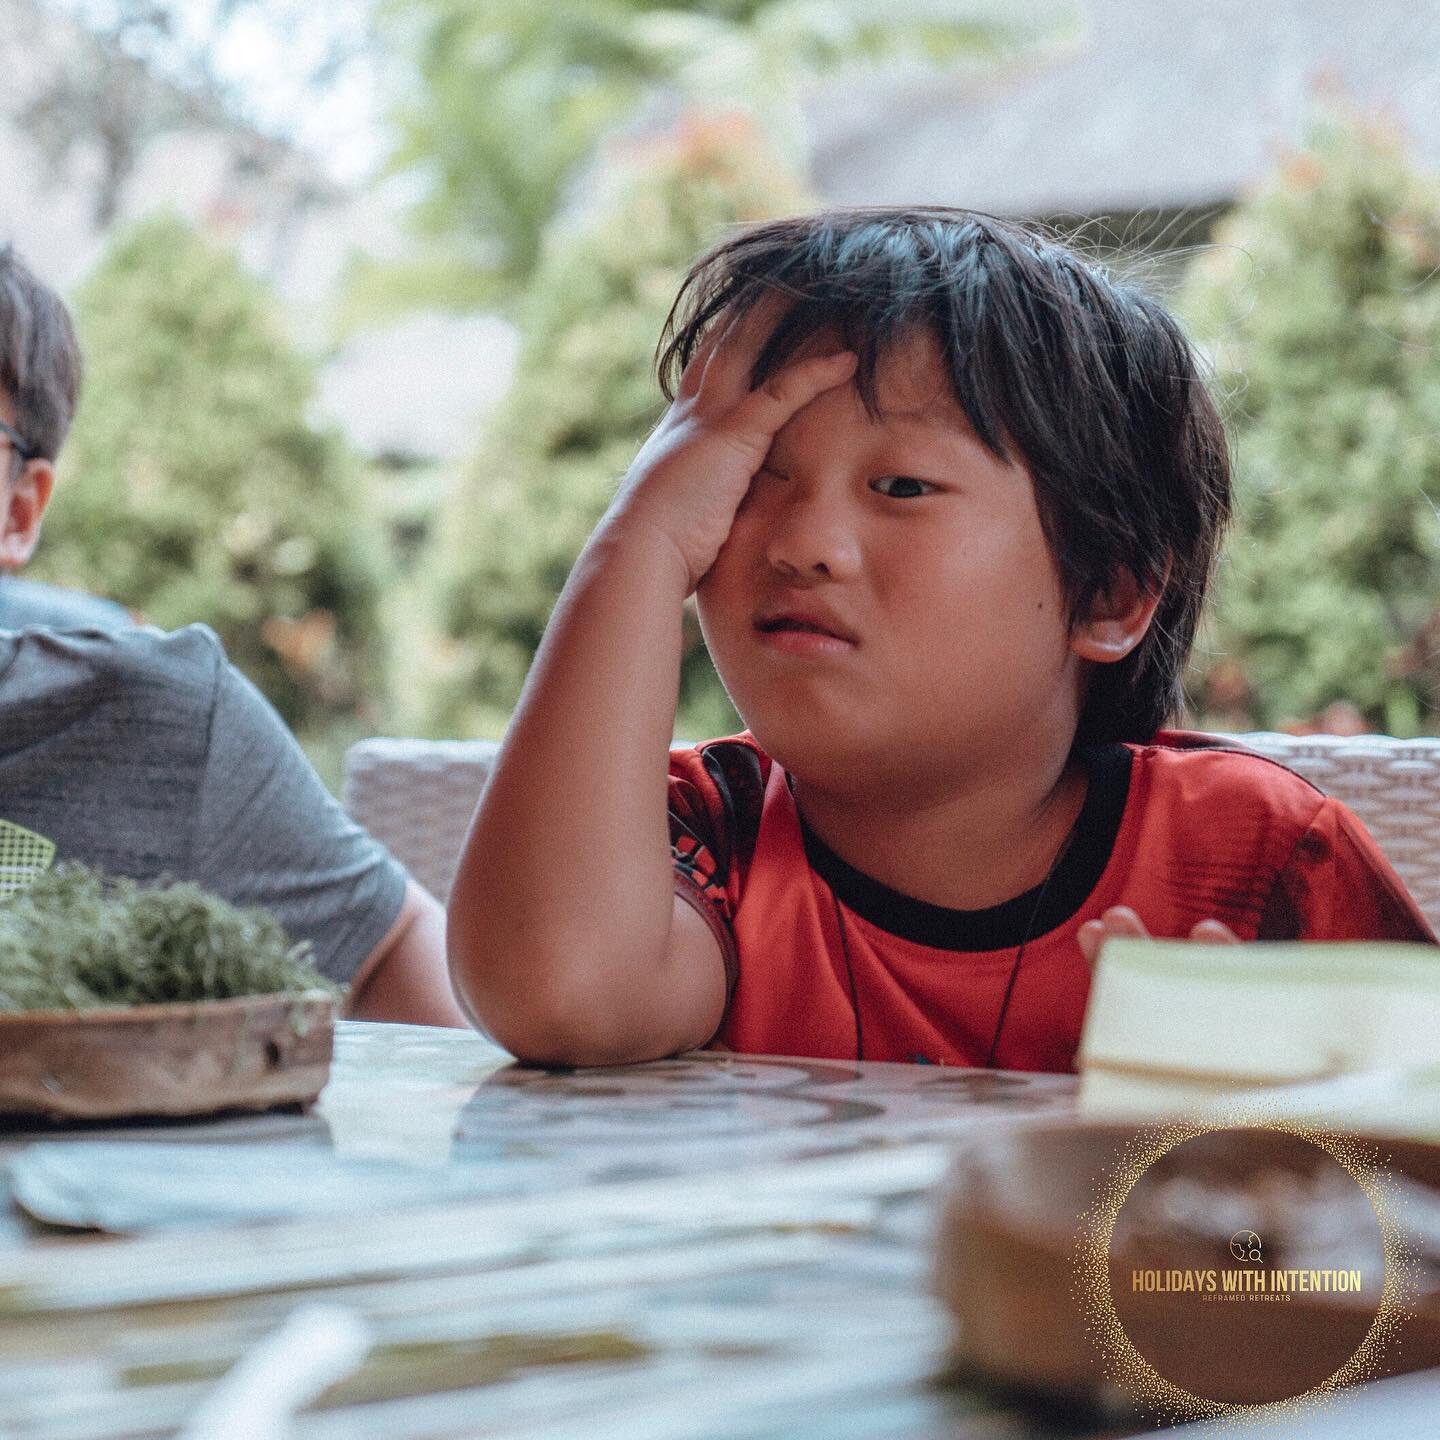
[(1003, 926)]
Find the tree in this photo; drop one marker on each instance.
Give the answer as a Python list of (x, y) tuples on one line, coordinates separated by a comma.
[(513, 98), (1321, 297), (193, 486), (584, 398), (130, 71)]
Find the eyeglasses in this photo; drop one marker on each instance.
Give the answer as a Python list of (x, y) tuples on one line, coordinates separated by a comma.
[(17, 441)]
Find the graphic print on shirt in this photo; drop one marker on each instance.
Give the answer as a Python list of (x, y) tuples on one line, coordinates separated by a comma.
[(24, 855)]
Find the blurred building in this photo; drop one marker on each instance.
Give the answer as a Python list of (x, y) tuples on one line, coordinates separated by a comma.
[(1153, 116)]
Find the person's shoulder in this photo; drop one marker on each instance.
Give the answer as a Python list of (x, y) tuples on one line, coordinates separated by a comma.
[(122, 688), (137, 659), (26, 603), (1194, 768)]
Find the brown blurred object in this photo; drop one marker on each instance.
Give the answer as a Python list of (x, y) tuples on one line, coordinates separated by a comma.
[(1226, 686), (1420, 654), (303, 645), (1339, 717), (1008, 1265)]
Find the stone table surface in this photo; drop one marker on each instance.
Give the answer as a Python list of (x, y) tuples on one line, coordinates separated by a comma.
[(712, 1246)]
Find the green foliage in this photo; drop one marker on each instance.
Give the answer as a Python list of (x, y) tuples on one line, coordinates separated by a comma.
[(195, 488), (75, 940), (583, 400), (1321, 298), (514, 97)]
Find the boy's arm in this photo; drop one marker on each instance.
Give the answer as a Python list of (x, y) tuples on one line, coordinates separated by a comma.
[(566, 941), (562, 909)]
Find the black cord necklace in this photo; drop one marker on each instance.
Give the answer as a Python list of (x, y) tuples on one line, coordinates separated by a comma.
[(1014, 968)]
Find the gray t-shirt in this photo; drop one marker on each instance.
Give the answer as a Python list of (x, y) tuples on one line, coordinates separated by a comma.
[(25, 602), (149, 755)]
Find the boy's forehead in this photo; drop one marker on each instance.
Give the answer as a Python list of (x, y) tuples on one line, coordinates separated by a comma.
[(912, 386)]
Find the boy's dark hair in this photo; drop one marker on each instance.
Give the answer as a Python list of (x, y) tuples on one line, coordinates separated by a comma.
[(39, 356), (1088, 382)]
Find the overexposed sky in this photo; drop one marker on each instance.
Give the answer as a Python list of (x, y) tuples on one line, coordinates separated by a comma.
[(270, 54)]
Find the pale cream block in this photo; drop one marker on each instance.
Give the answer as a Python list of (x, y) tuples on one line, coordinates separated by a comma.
[(1173, 1023)]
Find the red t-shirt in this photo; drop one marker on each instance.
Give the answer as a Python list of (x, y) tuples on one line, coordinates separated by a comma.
[(1183, 829)]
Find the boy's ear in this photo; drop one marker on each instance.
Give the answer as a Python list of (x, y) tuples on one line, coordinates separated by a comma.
[(1118, 619), (24, 502)]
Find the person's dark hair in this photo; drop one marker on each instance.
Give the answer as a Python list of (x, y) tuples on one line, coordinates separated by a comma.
[(39, 356), (1088, 382)]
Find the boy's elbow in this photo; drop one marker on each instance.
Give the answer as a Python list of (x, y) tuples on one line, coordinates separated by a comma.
[(555, 1047), (542, 1014), (540, 1034)]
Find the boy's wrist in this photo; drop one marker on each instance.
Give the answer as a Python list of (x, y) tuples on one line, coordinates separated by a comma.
[(626, 539)]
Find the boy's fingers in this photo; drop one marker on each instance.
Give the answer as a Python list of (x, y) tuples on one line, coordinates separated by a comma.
[(756, 419), (724, 344), (739, 339), (1117, 920), (1122, 920), (694, 371), (1216, 932)]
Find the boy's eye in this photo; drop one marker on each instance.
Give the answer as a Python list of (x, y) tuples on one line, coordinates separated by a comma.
[(901, 487)]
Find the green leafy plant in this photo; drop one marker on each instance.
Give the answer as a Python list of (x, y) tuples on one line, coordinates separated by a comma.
[(1321, 301), (76, 940), (195, 488)]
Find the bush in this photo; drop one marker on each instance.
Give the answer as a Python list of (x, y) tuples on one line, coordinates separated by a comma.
[(193, 486), (1321, 298), (583, 400)]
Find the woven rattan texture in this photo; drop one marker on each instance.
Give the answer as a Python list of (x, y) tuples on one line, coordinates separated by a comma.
[(1392, 785), (418, 795)]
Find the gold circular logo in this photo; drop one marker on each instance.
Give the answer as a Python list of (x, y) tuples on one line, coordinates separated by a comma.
[(1235, 1267), (1245, 1245)]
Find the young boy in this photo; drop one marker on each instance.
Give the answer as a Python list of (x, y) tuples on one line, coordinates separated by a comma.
[(950, 500)]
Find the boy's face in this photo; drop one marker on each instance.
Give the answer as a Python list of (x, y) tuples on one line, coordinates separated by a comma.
[(922, 557)]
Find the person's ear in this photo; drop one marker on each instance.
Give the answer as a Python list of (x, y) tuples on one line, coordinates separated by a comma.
[(1118, 619), (25, 499)]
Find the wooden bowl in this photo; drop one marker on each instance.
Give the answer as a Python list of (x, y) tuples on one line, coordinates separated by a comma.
[(1011, 1212), (249, 1053)]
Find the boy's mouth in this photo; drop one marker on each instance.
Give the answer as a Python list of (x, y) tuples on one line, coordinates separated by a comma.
[(803, 622)]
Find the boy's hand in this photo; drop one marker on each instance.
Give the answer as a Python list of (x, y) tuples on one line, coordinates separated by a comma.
[(690, 476), (1122, 920)]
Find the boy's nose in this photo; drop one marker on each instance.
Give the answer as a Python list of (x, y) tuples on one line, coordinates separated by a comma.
[(810, 540)]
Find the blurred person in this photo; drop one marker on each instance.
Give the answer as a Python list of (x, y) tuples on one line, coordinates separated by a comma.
[(27, 465), (148, 755), (949, 499)]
